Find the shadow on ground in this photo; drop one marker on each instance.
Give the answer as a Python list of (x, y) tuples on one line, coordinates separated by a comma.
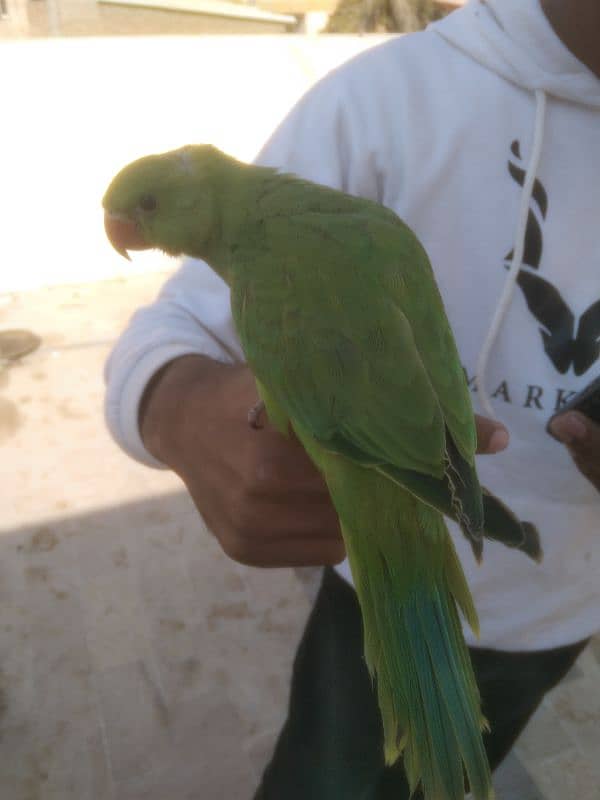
[(134, 657)]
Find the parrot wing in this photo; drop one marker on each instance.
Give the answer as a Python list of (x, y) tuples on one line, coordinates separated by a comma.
[(335, 339)]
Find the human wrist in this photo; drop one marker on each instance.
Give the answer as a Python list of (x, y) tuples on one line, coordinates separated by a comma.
[(162, 412)]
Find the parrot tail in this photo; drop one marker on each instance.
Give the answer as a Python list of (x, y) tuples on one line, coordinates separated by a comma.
[(416, 654)]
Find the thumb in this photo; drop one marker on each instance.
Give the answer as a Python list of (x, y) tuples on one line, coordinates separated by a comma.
[(492, 436)]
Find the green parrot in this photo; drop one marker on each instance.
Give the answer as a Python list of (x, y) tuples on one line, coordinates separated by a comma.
[(343, 327)]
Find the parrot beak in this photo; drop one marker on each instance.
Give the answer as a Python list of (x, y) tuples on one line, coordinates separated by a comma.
[(124, 234)]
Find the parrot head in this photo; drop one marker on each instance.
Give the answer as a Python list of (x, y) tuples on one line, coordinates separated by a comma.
[(163, 201)]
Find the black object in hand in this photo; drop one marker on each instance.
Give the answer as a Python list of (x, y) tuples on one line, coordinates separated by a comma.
[(587, 402)]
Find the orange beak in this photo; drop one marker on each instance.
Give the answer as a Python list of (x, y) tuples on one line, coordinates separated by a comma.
[(124, 234)]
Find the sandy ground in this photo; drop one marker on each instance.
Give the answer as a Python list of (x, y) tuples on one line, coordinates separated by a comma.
[(136, 661)]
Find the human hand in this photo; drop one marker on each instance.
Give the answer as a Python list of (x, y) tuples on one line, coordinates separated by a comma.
[(257, 490), (582, 438)]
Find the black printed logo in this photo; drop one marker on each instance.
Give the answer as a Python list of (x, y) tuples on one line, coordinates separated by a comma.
[(562, 343)]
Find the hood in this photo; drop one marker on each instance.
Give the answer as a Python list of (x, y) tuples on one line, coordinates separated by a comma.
[(514, 39)]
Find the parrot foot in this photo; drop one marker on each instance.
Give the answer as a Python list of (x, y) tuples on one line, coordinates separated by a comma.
[(254, 415)]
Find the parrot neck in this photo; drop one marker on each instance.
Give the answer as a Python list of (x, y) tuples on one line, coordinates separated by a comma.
[(217, 255), (237, 198)]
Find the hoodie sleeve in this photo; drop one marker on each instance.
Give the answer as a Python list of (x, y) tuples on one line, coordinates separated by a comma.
[(192, 312), (190, 315)]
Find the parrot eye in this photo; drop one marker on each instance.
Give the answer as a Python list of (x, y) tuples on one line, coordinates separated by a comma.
[(148, 202)]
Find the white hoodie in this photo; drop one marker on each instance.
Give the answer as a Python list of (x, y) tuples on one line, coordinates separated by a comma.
[(483, 134)]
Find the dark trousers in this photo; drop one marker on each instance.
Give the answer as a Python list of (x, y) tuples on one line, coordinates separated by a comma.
[(331, 745)]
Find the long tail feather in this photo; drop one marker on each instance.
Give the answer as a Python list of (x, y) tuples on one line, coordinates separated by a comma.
[(415, 651), (501, 524), (409, 583)]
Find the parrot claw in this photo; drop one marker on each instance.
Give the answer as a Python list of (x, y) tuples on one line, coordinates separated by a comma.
[(254, 415)]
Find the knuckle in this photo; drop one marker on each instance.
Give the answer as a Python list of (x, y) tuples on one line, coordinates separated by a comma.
[(249, 515), (242, 513), (261, 471), (338, 553), (238, 548), (265, 473)]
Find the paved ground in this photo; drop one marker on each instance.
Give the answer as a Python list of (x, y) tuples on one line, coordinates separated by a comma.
[(137, 662)]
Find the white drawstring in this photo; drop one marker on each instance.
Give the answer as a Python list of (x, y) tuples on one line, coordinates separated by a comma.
[(518, 252)]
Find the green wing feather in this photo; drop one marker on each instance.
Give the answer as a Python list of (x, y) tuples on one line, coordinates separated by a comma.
[(364, 383), (355, 386), (361, 377)]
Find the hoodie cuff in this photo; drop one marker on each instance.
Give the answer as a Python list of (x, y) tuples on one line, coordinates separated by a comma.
[(122, 409)]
